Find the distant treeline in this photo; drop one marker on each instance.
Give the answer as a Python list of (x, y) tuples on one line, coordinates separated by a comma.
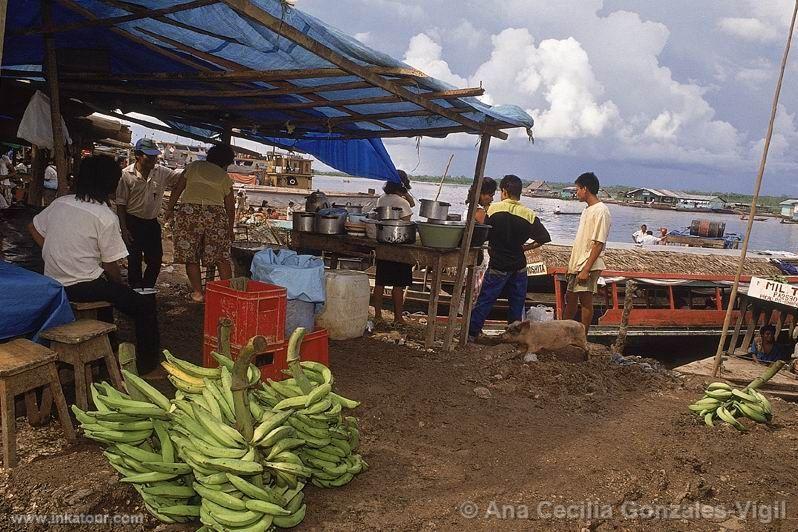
[(614, 190)]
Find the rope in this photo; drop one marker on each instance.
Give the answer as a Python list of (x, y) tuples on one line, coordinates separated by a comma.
[(757, 187)]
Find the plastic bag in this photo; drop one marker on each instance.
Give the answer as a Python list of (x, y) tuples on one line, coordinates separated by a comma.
[(540, 313), (301, 275), (36, 126)]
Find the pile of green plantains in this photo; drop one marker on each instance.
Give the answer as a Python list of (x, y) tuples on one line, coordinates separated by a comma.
[(228, 449)]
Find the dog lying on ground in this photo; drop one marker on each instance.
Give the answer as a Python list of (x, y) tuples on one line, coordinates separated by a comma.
[(543, 336)]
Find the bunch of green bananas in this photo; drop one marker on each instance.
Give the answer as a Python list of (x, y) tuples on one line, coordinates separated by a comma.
[(723, 402), (328, 438)]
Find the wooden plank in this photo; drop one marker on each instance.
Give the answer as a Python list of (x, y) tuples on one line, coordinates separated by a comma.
[(756, 311), (21, 355), (111, 21), (744, 303), (468, 306), (78, 331), (248, 75), (221, 93), (248, 10), (479, 175), (51, 70), (432, 310)]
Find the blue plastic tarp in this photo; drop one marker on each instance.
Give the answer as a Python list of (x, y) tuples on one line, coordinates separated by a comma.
[(30, 303), (142, 54), (301, 275)]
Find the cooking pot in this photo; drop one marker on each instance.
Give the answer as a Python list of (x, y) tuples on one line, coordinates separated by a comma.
[(316, 201), (351, 209), (388, 213), (441, 234), (304, 221), (330, 224), (371, 228), (396, 232), (356, 218), (434, 210)]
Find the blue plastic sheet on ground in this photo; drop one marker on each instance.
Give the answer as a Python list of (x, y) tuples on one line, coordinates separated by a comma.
[(30, 303), (301, 275)]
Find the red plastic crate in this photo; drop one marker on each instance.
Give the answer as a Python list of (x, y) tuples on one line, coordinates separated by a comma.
[(260, 310), (270, 364)]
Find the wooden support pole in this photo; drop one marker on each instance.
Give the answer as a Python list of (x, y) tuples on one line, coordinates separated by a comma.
[(465, 247), (628, 304), (51, 70), (752, 325), (227, 134), (738, 327), (755, 197), (3, 11)]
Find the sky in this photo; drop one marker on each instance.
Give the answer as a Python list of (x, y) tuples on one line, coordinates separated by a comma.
[(672, 94)]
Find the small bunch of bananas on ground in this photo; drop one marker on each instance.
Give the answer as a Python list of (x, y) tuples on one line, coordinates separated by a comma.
[(723, 402), (329, 437)]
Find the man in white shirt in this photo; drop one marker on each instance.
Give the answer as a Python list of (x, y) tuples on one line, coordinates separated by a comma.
[(649, 239), (139, 196), (81, 244), (587, 253), (637, 236), (50, 184)]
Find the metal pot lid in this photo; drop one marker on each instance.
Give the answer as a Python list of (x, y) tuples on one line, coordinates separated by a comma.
[(397, 223), (435, 202), (431, 221)]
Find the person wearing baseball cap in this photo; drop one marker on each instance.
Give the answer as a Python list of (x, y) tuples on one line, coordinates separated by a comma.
[(138, 198)]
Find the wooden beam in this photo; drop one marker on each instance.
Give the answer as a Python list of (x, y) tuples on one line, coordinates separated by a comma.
[(158, 127), (454, 305), (284, 106), (338, 120), (428, 132), (51, 68), (248, 75), (3, 10), (112, 21), (210, 58), (172, 22), (221, 93), (253, 12)]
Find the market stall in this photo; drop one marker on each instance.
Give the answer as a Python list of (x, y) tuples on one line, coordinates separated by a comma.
[(435, 260)]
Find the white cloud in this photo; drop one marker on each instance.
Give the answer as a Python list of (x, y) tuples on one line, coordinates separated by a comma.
[(425, 54), (363, 37), (782, 143), (749, 29)]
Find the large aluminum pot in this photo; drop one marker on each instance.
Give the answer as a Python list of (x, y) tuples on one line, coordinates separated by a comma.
[(371, 228), (388, 213), (351, 209), (396, 232), (434, 210), (304, 221), (330, 224)]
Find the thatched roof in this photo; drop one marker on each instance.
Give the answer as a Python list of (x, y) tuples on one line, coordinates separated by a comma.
[(641, 260)]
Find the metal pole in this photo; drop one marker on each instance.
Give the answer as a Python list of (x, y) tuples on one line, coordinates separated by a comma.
[(465, 247), (51, 70), (757, 187)]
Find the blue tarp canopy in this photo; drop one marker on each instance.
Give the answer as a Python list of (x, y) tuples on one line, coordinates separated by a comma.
[(260, 68)]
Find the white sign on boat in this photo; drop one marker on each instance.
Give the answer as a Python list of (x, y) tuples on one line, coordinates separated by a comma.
[(774, 291), (536, 268)]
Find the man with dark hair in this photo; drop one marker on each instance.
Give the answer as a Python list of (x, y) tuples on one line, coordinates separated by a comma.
[(138, 203), (586, 263), (512, 225), (81, 243)]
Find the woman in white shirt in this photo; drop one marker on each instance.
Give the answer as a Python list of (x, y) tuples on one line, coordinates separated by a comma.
[(81, 243), (397, 275)]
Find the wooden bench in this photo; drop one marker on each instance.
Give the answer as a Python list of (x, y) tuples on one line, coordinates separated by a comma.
[(79, 344), (89, 309), (24, 367)]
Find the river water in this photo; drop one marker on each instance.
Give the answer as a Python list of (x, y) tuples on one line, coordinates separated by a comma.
[(766, 235)]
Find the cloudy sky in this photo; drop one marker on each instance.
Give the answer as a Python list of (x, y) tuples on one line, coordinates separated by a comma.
[(674, 93)]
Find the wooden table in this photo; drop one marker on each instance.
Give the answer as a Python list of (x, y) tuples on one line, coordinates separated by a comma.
[(433, 259)]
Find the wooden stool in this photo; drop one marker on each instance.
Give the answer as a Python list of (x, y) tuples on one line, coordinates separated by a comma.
[(25, 366), (88, 310), (79, 344)]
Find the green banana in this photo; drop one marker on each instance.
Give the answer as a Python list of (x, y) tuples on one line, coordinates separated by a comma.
[(276, 435), (213, 451), (286, 390), (271, 422), (292, 402), (192, 369), (295, 502), (138, 454), (178, 468), (728, 418), (225, 406), (215, 479), (167, 449), (146, 389), (708, 419), (343, 445), (319, 368), (292, 520), (147, 478), (211, 403), (231, 518), (257, 505), (317, 394), (719, 386), (169, 490), (232, 465), (752, 412), (286, 467), (182, 510), (256, 409), (220, 498), (184, 386), (321, 454), (343, 401), (253, 491), (744, 396), (317, 408), (721, 395), (223, 433), (224, 361), (285, 444)]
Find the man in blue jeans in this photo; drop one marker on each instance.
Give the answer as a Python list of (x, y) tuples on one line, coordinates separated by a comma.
[(512, 226)]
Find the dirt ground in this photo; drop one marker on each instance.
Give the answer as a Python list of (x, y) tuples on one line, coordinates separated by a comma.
[(477, 439)]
